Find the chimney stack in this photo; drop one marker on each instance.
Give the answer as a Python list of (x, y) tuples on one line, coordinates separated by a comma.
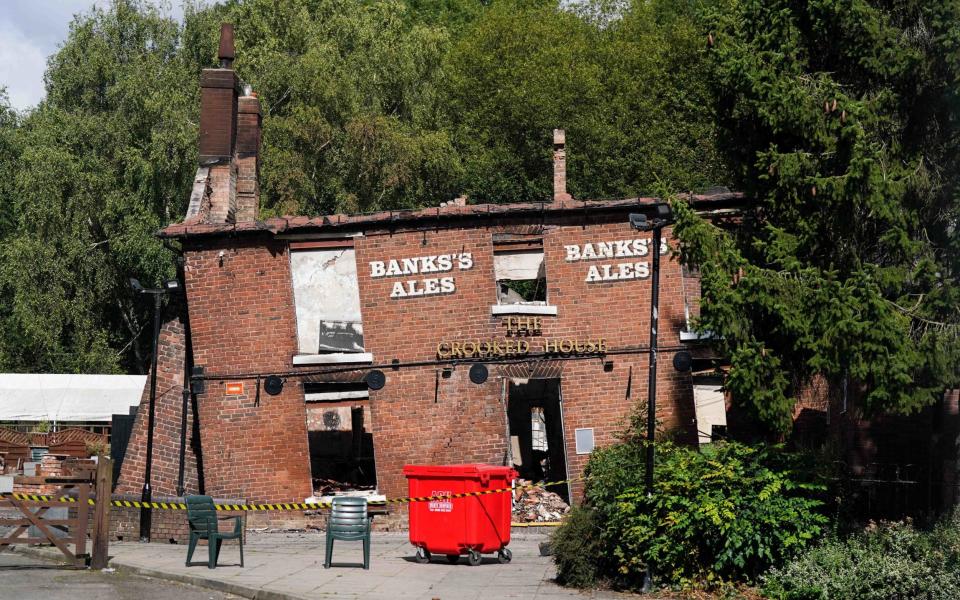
[(219, 92), (226, 53), (560, 167), (249, 121)]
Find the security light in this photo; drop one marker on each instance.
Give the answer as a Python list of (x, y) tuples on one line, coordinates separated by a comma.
[(478, 373), (682, 361), (135, 284), (375, 379), (273, 385), (639, 221)]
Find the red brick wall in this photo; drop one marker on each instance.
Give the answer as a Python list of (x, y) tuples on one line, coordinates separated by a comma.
[(242, 320), (466, 423), (168, 415)]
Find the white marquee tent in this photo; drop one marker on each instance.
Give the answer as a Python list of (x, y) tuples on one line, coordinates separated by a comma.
[(62, 398)]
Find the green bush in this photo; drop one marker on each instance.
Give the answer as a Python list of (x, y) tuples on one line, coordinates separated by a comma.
[(726, 512), (892, 561), (577, 550)]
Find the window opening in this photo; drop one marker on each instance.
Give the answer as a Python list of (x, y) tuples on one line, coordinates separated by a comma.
[(327, 299), (521, 277)]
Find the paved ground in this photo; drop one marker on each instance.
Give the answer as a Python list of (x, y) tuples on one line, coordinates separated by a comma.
[(290, 565), (30, 578)]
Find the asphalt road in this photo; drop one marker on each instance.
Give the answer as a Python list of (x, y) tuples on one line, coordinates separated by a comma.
[(28, 578)]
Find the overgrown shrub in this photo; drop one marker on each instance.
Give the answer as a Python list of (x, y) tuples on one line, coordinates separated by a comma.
[(892, 561), (578, 549), (726, 512)]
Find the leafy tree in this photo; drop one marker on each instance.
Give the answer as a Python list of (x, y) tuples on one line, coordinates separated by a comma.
[(628, 88), (840, 119), (367, 106), (351, 104), (103, 163), (9, 150)]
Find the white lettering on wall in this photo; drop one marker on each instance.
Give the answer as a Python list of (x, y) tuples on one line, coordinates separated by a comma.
[(419, 265), (612, 250)]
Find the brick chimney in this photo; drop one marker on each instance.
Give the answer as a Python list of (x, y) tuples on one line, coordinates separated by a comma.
[(560, 166), (219, 92), (249, 120)]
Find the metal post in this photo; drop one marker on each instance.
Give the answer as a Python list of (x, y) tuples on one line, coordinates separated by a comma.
[(652, 386), (146, 514)]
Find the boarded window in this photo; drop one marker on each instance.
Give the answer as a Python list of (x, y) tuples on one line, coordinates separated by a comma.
[(711, 410), (520, 277), (327, 299)]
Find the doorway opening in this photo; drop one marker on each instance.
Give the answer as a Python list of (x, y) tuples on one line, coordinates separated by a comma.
[(340, 438), (535, 418)]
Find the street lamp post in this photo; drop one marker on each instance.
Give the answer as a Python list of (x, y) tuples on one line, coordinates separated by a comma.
[(169, 286), (640, 222)]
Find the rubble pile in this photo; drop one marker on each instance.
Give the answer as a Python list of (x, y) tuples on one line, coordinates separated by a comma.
[(537, 505), (329, 487)]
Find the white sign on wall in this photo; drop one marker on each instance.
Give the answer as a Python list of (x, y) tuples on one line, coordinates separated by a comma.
[(618, 271), (422, 265)]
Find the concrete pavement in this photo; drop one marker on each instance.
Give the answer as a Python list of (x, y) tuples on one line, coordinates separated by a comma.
[(290, 566), (30, 578)]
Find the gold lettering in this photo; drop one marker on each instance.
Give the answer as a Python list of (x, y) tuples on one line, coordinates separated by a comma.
[(496, 349), (523, 347), (473, 349), (591, 346), (443, 350), (566, 346), (455, 350), (538, 324), (601, 345), (550, 346), (578, 346), (509, 347)]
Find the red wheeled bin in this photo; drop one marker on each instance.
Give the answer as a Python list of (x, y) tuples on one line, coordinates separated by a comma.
[(472, 525)]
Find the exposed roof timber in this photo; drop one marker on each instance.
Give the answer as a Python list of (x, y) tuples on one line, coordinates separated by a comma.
[(192, 227)]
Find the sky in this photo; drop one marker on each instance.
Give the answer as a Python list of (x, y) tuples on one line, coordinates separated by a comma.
[(32, 30)]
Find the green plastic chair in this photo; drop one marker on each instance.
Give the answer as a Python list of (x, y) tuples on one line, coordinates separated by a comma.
[(202, 515), (349, 521)]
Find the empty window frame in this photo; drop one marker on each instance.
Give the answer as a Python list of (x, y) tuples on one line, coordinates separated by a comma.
[(520, 275), (327, 299)]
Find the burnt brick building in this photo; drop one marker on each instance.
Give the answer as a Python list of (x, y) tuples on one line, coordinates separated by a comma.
[(374, 325), (552, 298)]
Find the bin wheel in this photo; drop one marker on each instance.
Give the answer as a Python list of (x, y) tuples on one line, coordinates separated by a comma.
[(473, 558), (423, 556), (453, 558), (505, 556)]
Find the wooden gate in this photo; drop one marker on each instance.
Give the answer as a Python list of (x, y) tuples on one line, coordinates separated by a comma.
[(21, 513)]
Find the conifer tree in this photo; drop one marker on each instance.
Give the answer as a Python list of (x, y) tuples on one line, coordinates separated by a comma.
[(840, 121)]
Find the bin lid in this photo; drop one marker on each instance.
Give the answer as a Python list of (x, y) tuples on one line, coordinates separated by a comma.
[(466, 470)]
